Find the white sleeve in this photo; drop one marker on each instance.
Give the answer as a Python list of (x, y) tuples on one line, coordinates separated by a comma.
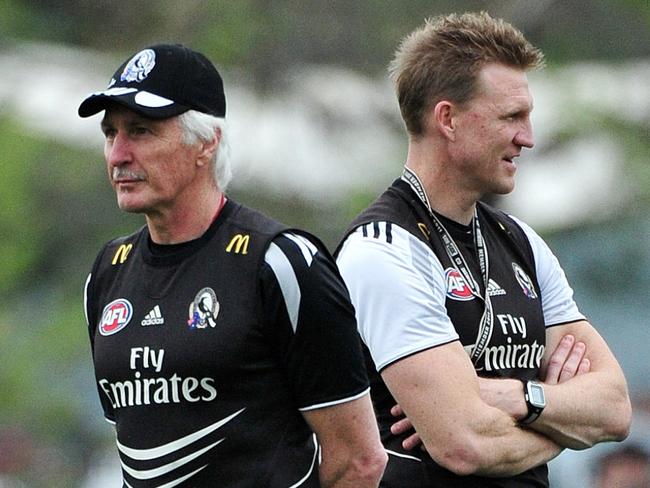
[(557, 296), (397, 286)]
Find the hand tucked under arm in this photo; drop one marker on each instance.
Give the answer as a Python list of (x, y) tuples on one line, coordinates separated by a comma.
[(567, 360), (460, 431), (402, 425)]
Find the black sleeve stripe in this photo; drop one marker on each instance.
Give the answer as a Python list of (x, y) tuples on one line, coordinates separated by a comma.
[(375, 227), (380, 230), (307, 248)]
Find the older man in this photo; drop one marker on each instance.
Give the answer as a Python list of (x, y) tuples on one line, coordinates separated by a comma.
[(467, 315), (224, 344)]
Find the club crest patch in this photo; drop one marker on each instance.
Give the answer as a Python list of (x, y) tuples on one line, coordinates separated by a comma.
[(203, 310), (457, 287), (139, 66), (524, 281), (115, 316)]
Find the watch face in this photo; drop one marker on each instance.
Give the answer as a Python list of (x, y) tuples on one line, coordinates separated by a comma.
[(536, 394)]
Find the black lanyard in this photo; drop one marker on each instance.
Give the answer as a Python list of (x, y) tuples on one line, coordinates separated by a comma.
[(453, 252)]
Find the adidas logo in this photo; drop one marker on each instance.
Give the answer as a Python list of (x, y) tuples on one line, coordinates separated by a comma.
[(154, 317), (494, 289)]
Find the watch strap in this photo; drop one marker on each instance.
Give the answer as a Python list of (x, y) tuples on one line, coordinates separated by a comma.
[(534, 411)]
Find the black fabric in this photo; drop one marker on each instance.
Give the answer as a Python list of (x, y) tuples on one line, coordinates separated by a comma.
[(174, 72), (209, 340), (506, 244)]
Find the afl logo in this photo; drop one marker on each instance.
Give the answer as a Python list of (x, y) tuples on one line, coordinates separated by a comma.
[(457, 287), (115, 317), (524, 281)]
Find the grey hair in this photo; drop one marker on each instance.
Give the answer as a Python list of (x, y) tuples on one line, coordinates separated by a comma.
[(198, 126)]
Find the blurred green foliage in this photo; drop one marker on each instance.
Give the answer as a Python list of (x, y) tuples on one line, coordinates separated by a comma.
[(267, 36), (54, 214), (16, 208)]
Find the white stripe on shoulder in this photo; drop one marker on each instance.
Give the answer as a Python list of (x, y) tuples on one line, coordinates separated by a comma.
[(287, 279), (86, 298), (335, 402), (307, 248)]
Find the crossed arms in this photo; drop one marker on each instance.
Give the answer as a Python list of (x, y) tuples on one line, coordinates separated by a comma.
[(582, 409), (469, 424)]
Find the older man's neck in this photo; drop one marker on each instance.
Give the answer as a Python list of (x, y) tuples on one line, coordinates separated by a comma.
[(184, 223)]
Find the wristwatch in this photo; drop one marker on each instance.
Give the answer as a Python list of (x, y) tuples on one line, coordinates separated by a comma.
[(535, 401)]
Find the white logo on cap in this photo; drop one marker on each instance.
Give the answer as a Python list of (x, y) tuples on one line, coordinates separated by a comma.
[(146, 99), (140, 66), (115, 92)]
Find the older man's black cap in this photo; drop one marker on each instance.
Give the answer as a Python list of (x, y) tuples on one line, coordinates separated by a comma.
[(162, 81)]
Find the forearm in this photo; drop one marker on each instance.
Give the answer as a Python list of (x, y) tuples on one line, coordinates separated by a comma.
[(591, 406), (351, 472), (586, 394), (588, 409), (493, 445), (352, 454), (524, 451), (461, 431)]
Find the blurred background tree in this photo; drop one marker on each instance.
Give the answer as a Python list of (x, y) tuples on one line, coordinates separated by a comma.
[(56, 208)]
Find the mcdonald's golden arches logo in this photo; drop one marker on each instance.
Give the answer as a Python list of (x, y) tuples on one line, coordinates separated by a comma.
[(239, 243), (122, 253)]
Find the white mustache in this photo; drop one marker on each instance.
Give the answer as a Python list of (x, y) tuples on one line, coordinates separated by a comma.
[(124, 174)]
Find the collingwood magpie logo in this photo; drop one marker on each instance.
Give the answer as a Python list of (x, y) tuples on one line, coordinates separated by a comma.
[(139, 66), (154, 317), (524, 281), (203, 310)]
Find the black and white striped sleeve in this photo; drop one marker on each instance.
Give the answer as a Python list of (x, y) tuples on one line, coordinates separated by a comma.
[(311, 323), (397, 286)]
